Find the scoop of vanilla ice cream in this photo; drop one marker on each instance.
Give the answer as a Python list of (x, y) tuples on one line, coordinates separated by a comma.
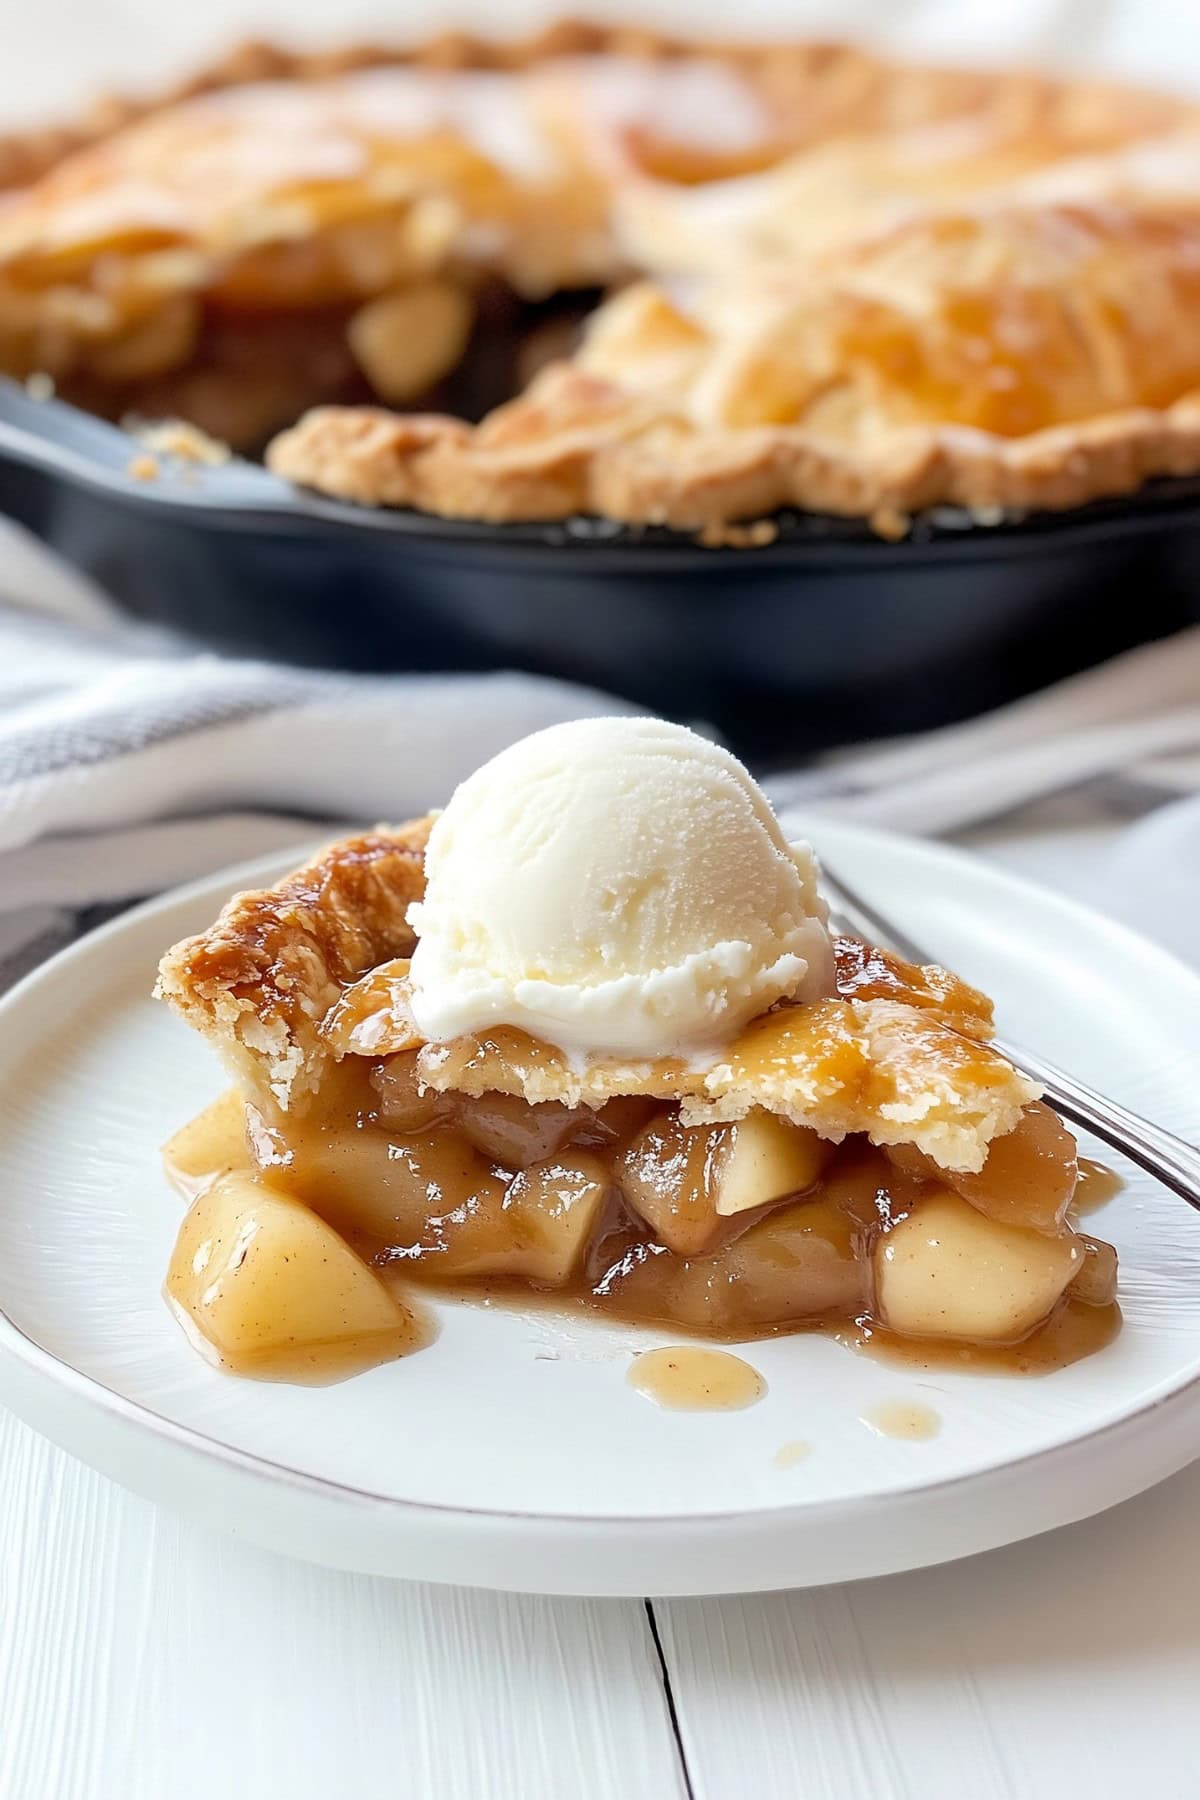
[(614, 885)]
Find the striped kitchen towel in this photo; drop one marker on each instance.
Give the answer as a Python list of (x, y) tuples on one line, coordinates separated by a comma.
[(131, 760)]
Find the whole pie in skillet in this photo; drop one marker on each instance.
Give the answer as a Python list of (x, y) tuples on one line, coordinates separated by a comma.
[(587, 1034), (833, 282)]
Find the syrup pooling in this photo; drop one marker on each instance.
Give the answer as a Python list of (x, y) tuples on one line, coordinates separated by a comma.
[(1073, 1331), (788, 1455), (905, 1419), (1097, 1185)]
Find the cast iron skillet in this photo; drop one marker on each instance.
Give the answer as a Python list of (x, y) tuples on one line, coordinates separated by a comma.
[(829, 634)]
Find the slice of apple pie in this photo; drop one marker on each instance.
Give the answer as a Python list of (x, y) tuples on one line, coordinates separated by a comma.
[(587, 1033)]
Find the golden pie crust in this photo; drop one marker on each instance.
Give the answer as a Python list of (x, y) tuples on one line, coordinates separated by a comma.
[(866, 288), (260, 982), (1035, 356), (291, 979)]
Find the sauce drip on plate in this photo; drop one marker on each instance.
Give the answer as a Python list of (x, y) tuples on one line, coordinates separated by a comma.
[(686, 1378)]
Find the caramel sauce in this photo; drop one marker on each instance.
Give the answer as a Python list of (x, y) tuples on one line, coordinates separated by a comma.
[(903, 1419), (686, 1378), (572, 1206), (1073, 1330), (868, 972), (1097, 1185)]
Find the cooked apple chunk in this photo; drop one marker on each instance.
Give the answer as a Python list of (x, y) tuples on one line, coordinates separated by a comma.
[(401, 1101), (795, 1264), (269, 1289), (948, 1271), (687, 1181), (615, 1122), (1028, 1178), (553, 1209), (1029, 1175), (538, 1226), (210, 1145), (514, 1133), (668, 1177), (766, 1158), (799, 1262), (374, 1187)]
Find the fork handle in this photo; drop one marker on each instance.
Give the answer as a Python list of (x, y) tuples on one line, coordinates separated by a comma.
[(1172, 1160)]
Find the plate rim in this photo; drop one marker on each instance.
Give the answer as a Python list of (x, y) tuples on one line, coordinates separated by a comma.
[(267, 1472)]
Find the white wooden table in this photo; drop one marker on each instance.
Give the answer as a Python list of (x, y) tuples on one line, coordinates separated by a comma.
[(145, 1659), (142, 1658)]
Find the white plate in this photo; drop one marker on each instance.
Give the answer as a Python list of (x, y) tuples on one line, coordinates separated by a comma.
[(512, 1453)]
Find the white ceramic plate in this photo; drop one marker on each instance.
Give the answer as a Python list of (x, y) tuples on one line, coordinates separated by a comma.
[(512, 1453)]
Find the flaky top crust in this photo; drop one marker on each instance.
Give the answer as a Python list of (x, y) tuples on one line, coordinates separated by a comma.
[(293, 978)]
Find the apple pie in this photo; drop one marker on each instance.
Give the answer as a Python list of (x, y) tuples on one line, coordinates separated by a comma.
[(805, 277), (862, 1162)]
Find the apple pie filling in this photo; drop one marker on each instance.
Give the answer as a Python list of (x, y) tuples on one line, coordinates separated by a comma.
[(726, 1229)]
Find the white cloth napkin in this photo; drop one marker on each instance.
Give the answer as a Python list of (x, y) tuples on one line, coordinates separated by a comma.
[(129, 761), (1129, 731)]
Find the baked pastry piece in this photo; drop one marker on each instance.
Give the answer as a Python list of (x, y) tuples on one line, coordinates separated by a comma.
[(261, 982), (792, 1179), (1030, 354), (372, 227)]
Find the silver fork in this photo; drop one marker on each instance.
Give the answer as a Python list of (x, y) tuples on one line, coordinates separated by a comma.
[(1168, 1158)]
